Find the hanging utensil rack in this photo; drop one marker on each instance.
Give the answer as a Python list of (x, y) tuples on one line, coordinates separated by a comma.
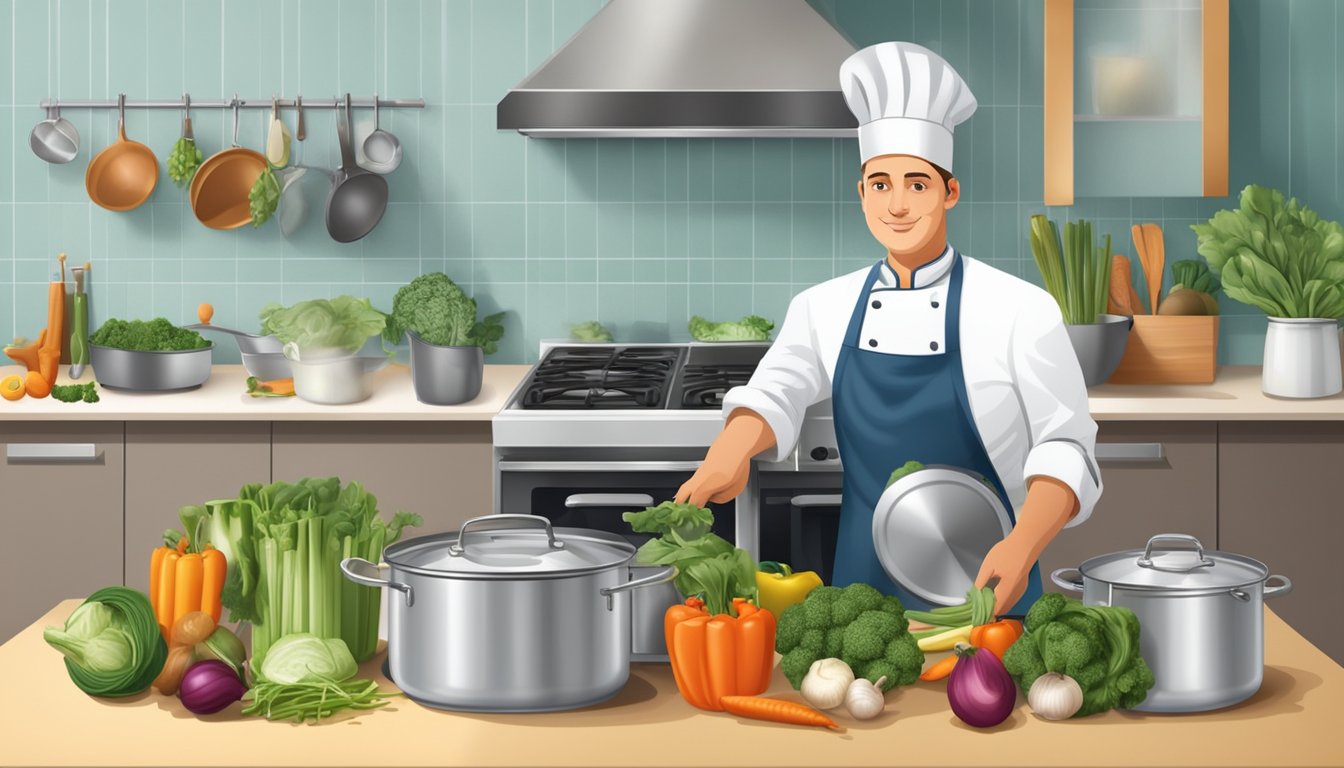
[(181, 103)]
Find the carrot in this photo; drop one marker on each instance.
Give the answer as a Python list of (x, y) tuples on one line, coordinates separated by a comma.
[(187, 587), (163, 611), (1120, 286), (720, 654), (278, 386), (49, 355), (940, 670), (776, 711), (155, 571), (36, 385), (215, 567)]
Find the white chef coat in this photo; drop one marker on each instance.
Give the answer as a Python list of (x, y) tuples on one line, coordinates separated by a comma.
[(1023, 381)]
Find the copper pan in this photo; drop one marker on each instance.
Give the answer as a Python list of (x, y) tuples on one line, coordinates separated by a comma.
[(219, 191), (123, 175)]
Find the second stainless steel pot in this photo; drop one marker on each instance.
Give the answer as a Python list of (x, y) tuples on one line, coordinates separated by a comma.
[(147, 371), (1201, 618), (508, 614)]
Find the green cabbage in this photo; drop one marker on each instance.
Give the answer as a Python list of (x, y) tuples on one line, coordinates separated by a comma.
[(305, 658), (112, 643), (343, 323)]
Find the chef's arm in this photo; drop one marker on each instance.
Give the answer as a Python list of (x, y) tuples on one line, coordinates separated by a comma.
[(1049, 506), (727, 465)]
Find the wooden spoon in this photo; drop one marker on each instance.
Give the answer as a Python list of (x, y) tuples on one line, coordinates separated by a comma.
[(1120, 287), (1141, 249), (1157, 254)]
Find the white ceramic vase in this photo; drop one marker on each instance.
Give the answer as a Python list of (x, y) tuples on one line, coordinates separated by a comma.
[(1301, 358)]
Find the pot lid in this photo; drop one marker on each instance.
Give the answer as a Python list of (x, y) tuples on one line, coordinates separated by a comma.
[(1159, 567), (512, 547)]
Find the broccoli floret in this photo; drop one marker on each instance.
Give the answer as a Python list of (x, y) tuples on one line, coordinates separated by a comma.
[(157, 335), (435, 308), (817, 607), (853, 600), (813, 641), (892, 604), (868, 636), (903, 470), (789, 629), (835, 642), (905, 655), (1097, 646), (796, 663)]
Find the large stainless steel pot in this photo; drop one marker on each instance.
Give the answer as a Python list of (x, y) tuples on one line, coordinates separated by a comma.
[(508, 614), (1201, 618)]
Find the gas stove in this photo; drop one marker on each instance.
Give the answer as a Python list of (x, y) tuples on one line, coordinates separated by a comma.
[(658, 401)]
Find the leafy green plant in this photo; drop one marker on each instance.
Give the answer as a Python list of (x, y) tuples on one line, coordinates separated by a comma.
[(1277, 255), (344, 322), (441, 313), (749, 328), (183, 161), (1077, 274), (264, 197), (591, 331), (708, 566)]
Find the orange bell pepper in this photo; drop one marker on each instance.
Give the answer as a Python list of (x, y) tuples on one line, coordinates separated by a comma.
[(717, 656), (996, 638), (181, 582)]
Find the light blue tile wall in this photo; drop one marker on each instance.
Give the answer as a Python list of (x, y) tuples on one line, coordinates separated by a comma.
[(640, 234)]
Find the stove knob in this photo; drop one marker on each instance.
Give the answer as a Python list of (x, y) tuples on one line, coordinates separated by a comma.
[(820, 453)]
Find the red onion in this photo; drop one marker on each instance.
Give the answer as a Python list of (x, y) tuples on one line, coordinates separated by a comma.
[(209, 686), (979, 689)]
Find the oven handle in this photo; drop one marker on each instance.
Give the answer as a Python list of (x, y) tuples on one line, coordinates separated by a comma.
[(598, 466), (816, 500), (626, 500)]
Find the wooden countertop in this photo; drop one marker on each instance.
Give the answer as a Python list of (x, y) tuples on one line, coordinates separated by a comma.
[(1292, 721), (223, 398), (1234, 396)]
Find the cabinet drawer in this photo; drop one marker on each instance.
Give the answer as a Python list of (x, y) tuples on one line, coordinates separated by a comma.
[(440, 471), (1161, 477), (63, 504), (172, 464)]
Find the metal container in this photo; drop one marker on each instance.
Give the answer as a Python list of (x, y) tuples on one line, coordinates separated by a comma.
[(1100, 346), (1201, 618), (150, 371), (445, 375), (508, 614)]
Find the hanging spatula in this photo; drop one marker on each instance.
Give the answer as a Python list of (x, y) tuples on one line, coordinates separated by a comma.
[(1157, 254), (1145, 260)]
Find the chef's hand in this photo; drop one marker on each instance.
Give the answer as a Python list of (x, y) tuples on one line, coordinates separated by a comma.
[(1048, 507), (727, 465), (1009, 562)]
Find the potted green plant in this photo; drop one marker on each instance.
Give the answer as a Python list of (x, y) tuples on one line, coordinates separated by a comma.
[(1280, 256), (448, 342), (1078, 275), (323, 339)]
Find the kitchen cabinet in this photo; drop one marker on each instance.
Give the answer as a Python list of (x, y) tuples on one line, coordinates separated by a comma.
[(439, 470), (63, 523), (172, 464), (1280, 503), (1135, 99), (1144, 495)]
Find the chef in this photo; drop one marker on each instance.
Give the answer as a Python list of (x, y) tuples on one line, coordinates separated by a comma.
[(929, 355)]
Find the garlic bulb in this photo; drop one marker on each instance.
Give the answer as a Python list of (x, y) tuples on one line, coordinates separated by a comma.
[(864, 700), (825, 684), (1055, 696)]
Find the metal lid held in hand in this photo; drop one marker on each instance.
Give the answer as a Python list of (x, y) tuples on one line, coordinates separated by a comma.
[(510, 547), (1161, 568)]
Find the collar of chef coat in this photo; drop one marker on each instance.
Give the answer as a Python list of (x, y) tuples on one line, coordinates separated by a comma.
[(924, 275)]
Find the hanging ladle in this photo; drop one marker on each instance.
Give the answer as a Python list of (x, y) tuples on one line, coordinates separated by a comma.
[(54, 139)]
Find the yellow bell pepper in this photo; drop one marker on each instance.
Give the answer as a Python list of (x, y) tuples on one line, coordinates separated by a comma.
[(780, 587)]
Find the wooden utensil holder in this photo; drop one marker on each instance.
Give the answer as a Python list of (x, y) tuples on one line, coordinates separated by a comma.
[(1170, 349)]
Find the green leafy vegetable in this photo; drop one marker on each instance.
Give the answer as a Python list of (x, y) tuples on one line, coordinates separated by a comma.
[(227, 525), (342, 323), (112, 643), (183, 161), (1193, 274), (749, 328), (903, 470), (304, 657), (441, 313), (264, 197), (708, 566), (1277, 255), (1076, 273), (591, 332), (74, 393), (311, 700), (857, 624), (157, 335), (1097, 646)]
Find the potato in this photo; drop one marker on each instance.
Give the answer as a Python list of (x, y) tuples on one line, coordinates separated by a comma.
[(1183, 301)]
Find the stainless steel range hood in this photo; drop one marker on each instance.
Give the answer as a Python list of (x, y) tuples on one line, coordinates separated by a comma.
[(678, 68)]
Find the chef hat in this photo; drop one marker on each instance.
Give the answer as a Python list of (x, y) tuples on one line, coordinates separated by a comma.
[(907, 100)]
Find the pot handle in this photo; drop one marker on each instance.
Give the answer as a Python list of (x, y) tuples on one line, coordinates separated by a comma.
[(361, 571), (1278, 590), (503, 523), (647, 581), (1147, 560), (1062, 577)]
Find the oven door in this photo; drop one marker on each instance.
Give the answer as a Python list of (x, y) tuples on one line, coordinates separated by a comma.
[(800, 519)]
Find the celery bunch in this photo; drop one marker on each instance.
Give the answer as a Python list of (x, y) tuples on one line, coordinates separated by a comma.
[(1076, 273)]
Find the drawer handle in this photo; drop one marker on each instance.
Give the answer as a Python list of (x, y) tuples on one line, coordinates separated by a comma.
[(627, 500), (816, 500), (72, 452), (1130, 452)]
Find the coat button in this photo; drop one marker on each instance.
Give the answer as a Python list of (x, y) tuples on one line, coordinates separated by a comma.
[(935, 305), (877, 305), (872, 342), (933, 345)]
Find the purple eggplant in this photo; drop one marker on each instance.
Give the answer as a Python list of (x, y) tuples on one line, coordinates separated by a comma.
[(979, 689)]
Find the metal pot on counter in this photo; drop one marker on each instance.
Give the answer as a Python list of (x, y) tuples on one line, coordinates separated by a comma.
[(508, 614), (1201, 618)]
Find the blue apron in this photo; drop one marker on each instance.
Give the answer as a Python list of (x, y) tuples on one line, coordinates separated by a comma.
[(890, 409)]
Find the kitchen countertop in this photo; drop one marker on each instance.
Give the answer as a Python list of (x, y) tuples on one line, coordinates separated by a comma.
[(224, 397), (1292, 721), (1234, 396)]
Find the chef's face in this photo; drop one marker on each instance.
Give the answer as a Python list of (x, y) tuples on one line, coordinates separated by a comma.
[(905, 202)]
